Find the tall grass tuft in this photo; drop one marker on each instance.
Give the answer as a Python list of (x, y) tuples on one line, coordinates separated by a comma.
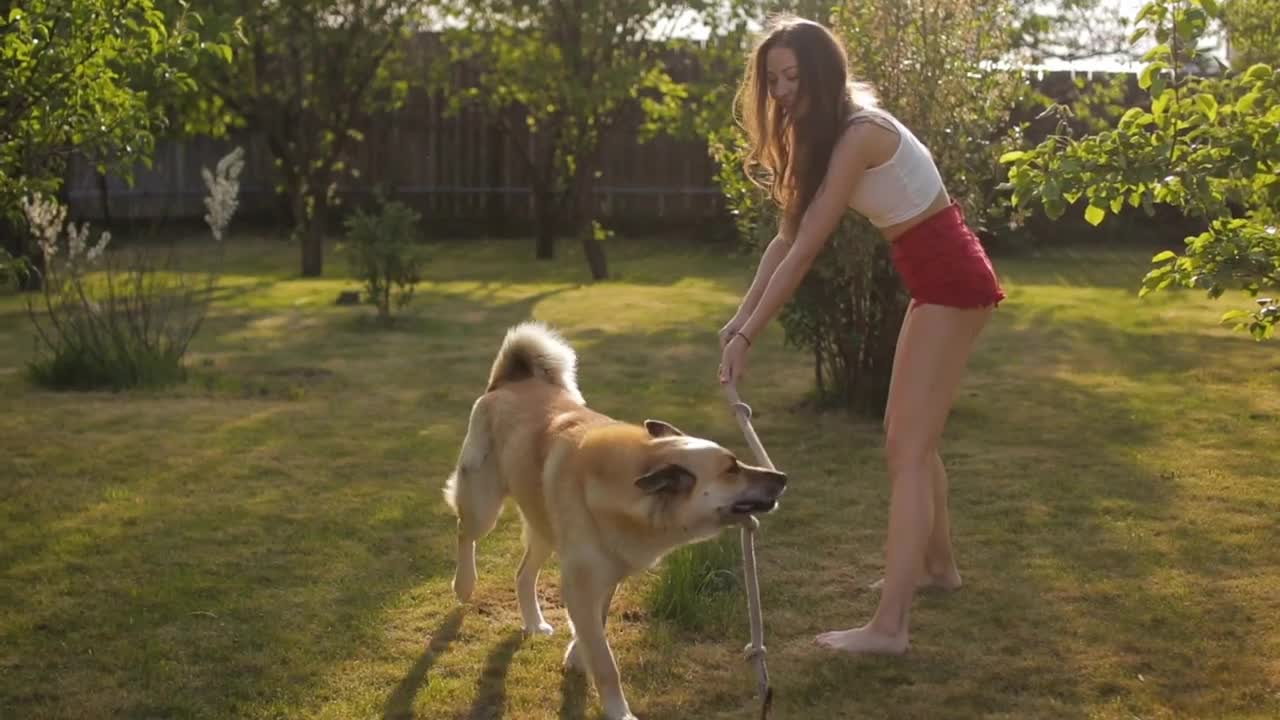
[(699, 586)]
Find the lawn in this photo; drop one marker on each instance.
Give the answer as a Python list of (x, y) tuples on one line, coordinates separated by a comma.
[(269, 541)]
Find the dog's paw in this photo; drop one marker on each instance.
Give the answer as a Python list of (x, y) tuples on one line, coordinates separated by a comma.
[(573, 659), (621, 715), (542, 628), (464, 584)]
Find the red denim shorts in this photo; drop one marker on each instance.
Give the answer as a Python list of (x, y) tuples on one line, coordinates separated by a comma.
[(942, 262)]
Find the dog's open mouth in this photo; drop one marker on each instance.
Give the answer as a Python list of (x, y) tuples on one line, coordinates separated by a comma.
[(751, 507)]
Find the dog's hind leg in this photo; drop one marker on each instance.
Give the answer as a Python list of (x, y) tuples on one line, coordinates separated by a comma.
[(475, 491), (536, 552)]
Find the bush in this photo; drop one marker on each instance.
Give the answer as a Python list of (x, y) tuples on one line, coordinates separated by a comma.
[(127, 324), (384, 255)]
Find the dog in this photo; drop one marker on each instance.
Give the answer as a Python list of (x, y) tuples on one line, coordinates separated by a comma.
[(610, 498)]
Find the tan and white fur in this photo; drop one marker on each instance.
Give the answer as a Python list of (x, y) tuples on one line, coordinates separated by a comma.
[(610, 498)]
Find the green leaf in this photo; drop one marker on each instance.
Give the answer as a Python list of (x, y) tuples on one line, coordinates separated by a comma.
[(1235, 315), (1162, 100), (1095, 215), (1257, 73), (1157, 87), (1211, 7), (1162, 257), (1012, 156), (1159, 51), (1054, 207), (1138, 35), (1117, 204), (1130, 116), (1208, 104), (1246, 103), (1150, 72)]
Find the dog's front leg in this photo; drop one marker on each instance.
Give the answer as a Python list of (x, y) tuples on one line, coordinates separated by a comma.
[(585, 598)]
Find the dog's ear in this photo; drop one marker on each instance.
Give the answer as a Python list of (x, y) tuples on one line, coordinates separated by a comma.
[(658, 429), (667, 479)]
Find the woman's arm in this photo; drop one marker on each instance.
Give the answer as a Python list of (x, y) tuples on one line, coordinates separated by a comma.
[(820, 219), (773, 255)]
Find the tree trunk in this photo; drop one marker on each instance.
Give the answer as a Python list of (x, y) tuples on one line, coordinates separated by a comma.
[(313, 247), (592, 249), (104, 197), (544, 210), (308, 229)]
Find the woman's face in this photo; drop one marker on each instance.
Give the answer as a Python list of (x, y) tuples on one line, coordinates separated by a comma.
[(782, 72)]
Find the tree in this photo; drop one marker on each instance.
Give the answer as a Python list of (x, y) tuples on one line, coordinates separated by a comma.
[(1253, 31), (1208, 146), (558, 77), (1068, 29), (304, 74), (88, 77)]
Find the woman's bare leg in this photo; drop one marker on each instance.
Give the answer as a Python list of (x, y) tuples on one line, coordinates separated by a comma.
[(935, 350), (939, 568)]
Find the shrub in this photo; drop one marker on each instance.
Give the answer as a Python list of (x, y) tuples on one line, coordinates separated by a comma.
[(383, 254), (127, 324)]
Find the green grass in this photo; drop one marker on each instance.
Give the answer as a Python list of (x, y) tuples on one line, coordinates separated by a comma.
[(700, 587), (268, 539)]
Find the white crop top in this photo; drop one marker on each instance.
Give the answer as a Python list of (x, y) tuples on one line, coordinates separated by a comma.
[(901, 188)]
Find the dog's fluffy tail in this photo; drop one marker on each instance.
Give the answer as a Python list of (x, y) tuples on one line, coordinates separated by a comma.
[(534, 350)]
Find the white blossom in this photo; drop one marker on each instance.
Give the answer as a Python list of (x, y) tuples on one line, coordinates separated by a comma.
[(95, 252), (45, 216), (224, 187), (47, 219)]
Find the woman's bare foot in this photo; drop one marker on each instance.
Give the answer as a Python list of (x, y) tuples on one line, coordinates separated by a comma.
[(863, 640), (942, 581)]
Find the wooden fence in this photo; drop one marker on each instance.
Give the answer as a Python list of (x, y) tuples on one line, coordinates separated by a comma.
[(453, 169)]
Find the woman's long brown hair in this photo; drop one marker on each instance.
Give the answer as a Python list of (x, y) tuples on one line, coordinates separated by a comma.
[(788, 155)]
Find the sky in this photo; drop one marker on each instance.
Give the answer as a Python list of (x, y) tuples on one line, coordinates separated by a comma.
[(1127, 8)]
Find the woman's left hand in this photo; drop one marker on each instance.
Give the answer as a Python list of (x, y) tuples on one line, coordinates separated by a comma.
[(733, 360)]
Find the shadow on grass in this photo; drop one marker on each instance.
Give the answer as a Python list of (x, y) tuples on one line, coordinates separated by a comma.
[(491, 696), (574, 695), (400, 705)]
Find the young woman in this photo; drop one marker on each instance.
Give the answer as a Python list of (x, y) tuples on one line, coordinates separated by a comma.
[(823, 146)]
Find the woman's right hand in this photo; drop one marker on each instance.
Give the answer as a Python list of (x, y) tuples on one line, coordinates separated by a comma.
[(731, 327)]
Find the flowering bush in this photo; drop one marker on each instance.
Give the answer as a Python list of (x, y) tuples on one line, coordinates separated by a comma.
[(118, 327)]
